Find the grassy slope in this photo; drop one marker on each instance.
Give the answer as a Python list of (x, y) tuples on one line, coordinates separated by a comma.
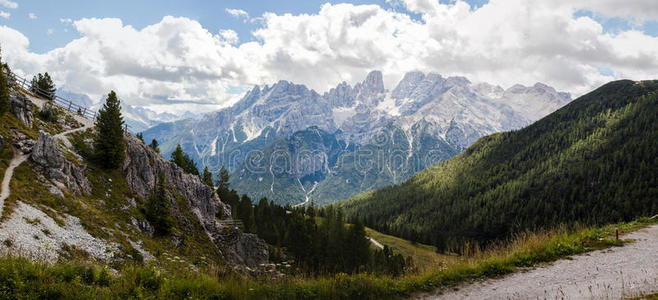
[(424, 256), (22, 278), (590, 161), (107, 212)]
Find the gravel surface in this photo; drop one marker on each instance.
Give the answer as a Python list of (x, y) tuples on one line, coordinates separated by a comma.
[(613, 273), (37, 235)]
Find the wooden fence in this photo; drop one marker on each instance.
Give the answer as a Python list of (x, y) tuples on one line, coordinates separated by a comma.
[(57, 100)]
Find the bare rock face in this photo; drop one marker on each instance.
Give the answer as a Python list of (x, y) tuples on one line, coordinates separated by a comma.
[(142, 167), (249, 250), (143, 226), (65, 174), (21, 107)]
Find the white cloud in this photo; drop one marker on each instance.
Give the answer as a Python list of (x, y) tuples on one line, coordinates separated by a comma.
[(229, 36), (635, 10), (177, 63), (66, 20), (238, 13), (50, 31), (4, 14), (32, 16), (9, 4)]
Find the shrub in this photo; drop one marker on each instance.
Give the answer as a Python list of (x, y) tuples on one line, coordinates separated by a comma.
[(49, 113)]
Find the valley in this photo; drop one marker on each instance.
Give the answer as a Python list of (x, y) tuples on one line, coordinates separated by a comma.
[(302, 150)]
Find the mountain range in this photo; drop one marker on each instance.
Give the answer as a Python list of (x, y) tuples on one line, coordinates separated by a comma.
[(290, 144), (592, 161)]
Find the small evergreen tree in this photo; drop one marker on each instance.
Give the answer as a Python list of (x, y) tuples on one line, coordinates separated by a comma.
[(158, 212), (154, 145), (223, 180), (184, 161), (140, 136), (109, 146), (207, 177), (4, 89), (47, 87), (34, 85)]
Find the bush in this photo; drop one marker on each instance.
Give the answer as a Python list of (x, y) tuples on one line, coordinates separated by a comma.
[(49, 113)]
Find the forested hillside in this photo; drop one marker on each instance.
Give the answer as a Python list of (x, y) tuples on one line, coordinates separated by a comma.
[(593, 161)]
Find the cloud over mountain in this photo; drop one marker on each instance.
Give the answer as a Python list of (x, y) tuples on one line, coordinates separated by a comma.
[(177, 61)]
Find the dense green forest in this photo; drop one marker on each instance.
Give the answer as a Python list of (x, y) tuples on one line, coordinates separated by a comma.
[(593, 161), (319, 240)]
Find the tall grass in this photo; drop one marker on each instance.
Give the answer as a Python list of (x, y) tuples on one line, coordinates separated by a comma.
[(23, 278)]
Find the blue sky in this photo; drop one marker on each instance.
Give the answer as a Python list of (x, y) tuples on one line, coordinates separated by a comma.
[(47, 31), (211, 14), (92, 46)]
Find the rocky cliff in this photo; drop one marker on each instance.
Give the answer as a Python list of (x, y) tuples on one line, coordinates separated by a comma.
[(21, 107), (142, 167), (66, 175)]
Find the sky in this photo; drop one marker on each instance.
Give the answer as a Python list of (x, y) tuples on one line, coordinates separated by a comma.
[(198, 55)]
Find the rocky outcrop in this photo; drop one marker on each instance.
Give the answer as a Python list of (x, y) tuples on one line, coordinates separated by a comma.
[(21, 107), (142, 167), (247, 249), (66, 175), (22, 142)]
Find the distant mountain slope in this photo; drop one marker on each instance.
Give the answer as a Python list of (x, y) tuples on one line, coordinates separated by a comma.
[(390, 134), (594, 161)]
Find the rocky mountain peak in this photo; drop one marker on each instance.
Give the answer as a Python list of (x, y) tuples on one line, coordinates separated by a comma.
[(374, 82), (408, 83)]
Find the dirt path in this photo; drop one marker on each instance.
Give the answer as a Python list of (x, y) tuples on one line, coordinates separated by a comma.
[(376, 243), (614, 273), (18, 159)]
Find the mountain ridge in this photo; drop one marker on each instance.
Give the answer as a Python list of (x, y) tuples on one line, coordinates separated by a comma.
[(452, 112), (589, 161)]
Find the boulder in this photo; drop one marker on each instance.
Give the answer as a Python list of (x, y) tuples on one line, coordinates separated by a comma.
[(66, 175), (247, 249)]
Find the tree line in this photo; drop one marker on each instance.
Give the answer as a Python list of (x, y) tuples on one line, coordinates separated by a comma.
[(591, 162)]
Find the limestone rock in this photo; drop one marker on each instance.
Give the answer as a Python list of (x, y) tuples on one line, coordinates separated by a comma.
[(21, 107), (248, 250), (143, 226), (47, 154), (142, 167)]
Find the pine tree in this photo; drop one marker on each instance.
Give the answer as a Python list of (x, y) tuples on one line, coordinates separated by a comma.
[(109, 146), (158, 211), (184, 161), (4, 89), (154, 145), (207, 177), (223, 180), (34, 85), (47, 87), (140, 136)]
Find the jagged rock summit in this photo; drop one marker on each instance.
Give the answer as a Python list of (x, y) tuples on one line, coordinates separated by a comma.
[(426, 118)]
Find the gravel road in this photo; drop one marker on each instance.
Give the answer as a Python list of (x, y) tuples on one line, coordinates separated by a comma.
[(614, 273)]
